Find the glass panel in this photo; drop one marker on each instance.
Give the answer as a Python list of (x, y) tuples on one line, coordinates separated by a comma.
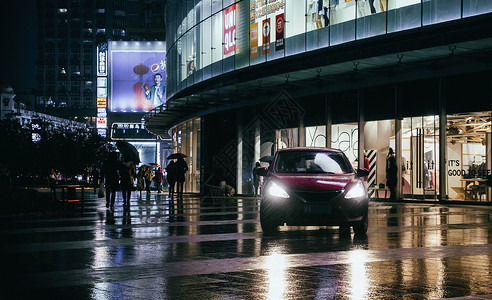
[(371, 19), (378, 138), (206, 9), (420, 153), (343, 27), (206, 43), (404, 14), (242, 35), (190, 50), (216, 37), (476, 7), (437, 11), (317, 21), (468, 156), (287, 138), (316, 136), (216, 6), (345, 138), (295, 26)]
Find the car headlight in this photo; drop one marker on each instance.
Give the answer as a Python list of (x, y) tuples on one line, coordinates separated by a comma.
[(276, 191), (357, 191)]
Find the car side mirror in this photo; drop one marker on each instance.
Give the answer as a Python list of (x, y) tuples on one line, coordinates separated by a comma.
[(362, 172), (262, 171)]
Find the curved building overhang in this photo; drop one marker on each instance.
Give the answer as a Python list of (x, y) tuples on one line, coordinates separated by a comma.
[(445, 49)]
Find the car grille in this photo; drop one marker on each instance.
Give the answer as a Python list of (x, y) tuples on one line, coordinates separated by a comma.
[(317, 197)]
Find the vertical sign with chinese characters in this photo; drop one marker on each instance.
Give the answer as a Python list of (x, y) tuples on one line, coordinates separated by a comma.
[(279, 32), (229, 29), (266, 37), (254, 40), (102, 59), (102, 89)]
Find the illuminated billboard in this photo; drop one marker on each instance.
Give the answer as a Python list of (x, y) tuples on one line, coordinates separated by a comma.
[(137, 77)]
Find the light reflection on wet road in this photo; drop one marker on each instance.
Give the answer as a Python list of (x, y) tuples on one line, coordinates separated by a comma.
[(198, 249)]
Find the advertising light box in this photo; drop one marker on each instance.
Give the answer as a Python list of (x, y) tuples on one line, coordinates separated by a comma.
[(138, 77)]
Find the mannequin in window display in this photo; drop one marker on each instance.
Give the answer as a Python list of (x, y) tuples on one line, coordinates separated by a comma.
[(314, 8), (382, 5), (333, 11), (323, 7), (363, 9)]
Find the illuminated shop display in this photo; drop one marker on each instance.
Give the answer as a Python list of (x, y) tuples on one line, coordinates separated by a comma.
[(206, 39), (137, 76)]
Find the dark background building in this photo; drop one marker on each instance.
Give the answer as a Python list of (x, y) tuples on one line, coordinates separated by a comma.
[(68, 34)]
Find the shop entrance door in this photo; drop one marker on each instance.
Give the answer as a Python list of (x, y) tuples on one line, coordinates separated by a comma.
[(420, 157)]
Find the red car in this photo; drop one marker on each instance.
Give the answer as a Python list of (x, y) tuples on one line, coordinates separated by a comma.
[(313, 186)]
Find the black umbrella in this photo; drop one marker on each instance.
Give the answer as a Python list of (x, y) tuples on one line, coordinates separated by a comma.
[(129, 151), (176, 155), (267, 158)]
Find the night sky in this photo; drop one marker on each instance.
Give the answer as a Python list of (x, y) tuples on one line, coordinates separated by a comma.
[(18, 42)]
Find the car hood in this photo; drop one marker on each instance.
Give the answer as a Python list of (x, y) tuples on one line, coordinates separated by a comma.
[(314, 182)]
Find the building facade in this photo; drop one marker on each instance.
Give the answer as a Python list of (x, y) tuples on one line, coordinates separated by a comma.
[(250, 77), (68, 34)]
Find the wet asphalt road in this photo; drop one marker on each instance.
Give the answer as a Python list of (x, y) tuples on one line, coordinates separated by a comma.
[(207, 250)]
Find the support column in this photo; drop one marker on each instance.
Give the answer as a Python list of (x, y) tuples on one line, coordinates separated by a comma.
[(329, 119), (239, 170), (302, 132), (360, 131), (443, 195), (398, 147), (257, 144)]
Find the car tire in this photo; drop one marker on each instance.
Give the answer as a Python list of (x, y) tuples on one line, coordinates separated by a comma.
[(269, 225), (360, 227), (344, 230)]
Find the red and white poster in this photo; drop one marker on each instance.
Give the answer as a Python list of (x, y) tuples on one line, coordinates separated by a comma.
[(266, 36), (254, 40), (229, 29), (279, 32)]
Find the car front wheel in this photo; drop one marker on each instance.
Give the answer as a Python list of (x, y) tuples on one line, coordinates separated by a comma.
[(269, 224), (361, 226)]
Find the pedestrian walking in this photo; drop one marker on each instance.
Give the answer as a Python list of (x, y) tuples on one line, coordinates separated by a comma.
[(148, 176), (181, 169), (159, 178), (128, 173), (95, 179), (171, 177), (110, 172), (391, 173)]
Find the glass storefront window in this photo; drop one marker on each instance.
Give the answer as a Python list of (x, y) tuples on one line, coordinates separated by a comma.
[(206, 45), (345, 138), (295, 26), (317, 22), (404, 14), (216, 37), (437, 11), (287, 138), (468, 156), (378, 138), (476, 7), (342, 29), (206, 9), (371, 19), (420, 157), (316, 136)]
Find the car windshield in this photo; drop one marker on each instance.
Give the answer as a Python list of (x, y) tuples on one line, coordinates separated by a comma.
[(318, 162)]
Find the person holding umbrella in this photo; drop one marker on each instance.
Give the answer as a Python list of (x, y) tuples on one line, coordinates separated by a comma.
[(110, 172), (128, 173), (171, 177), (178, 170)]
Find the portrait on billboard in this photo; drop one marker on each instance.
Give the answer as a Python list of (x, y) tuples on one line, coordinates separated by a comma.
[(137, 80)]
